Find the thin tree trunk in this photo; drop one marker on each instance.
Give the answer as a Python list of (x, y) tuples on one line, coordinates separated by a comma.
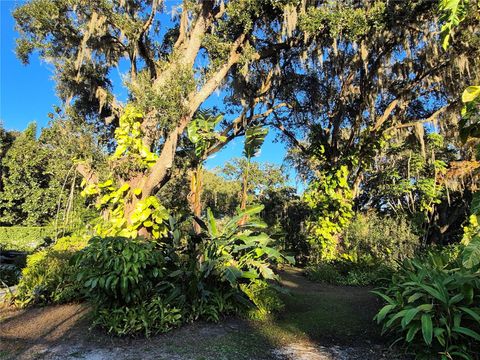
[(243, 204), (195, 196)]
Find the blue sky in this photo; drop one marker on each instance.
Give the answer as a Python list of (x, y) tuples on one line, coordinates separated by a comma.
[(27, 93)]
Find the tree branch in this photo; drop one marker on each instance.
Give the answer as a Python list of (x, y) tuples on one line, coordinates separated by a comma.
[(429, 119), (289, 135), (149, 21), (88, 173), (381, 120), (198, 97)]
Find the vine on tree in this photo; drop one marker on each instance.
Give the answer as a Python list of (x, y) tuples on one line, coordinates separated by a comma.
[(331, 200), (148, 216)]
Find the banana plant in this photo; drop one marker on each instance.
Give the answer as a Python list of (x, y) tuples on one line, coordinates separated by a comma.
[(240, 253), (201, 132), (254, 138)]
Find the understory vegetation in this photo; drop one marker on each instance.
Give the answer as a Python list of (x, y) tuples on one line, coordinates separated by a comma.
[(116, 203), (432, 306)]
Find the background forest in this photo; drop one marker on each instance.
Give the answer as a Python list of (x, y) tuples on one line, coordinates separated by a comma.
[(376, 101)]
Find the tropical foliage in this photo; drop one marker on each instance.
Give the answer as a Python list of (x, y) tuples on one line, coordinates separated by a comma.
[(376, 102), (432, 305), (137, 285)]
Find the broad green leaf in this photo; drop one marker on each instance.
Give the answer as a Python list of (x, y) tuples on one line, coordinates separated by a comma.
[(395, 317), (124, 188), (455, 299), (439, 334), (415, 296), (231, 273), (266, 272), (409, 315), (465, 331), (474, 315), (251, 210), (412, 332), (211, 224), (471, 253), (254, 138), (383, 312), (471, 93), (434, 292), (385, 297), (251, 274), (427, 328), (106, 183)]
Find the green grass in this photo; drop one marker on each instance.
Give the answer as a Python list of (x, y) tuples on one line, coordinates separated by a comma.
[(327, 315), (23, 238)]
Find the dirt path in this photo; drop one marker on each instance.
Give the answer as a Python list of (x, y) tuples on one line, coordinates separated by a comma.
[(319, 323)]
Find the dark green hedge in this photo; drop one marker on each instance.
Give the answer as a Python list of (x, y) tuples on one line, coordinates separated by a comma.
[(24, 238)]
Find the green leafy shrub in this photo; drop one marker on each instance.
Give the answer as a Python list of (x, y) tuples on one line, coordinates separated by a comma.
[(49, 276), (128, 283), (265, 298), (150, 286), (241, 252), (118, 270), (149, 316), (24, 238), (345, 272), (432, 306), (374, 239), (236, 263)]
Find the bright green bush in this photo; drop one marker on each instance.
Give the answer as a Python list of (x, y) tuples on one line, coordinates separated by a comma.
[(119, 271), (24, 238), (345, 272), (49, 276), (127, 282), (432, 305), (373, 239), (265, 298)]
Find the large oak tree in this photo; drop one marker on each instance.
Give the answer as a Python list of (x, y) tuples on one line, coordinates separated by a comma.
[(332, 70)]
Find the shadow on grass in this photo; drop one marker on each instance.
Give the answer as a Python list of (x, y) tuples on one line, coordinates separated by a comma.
[(324, 314)]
